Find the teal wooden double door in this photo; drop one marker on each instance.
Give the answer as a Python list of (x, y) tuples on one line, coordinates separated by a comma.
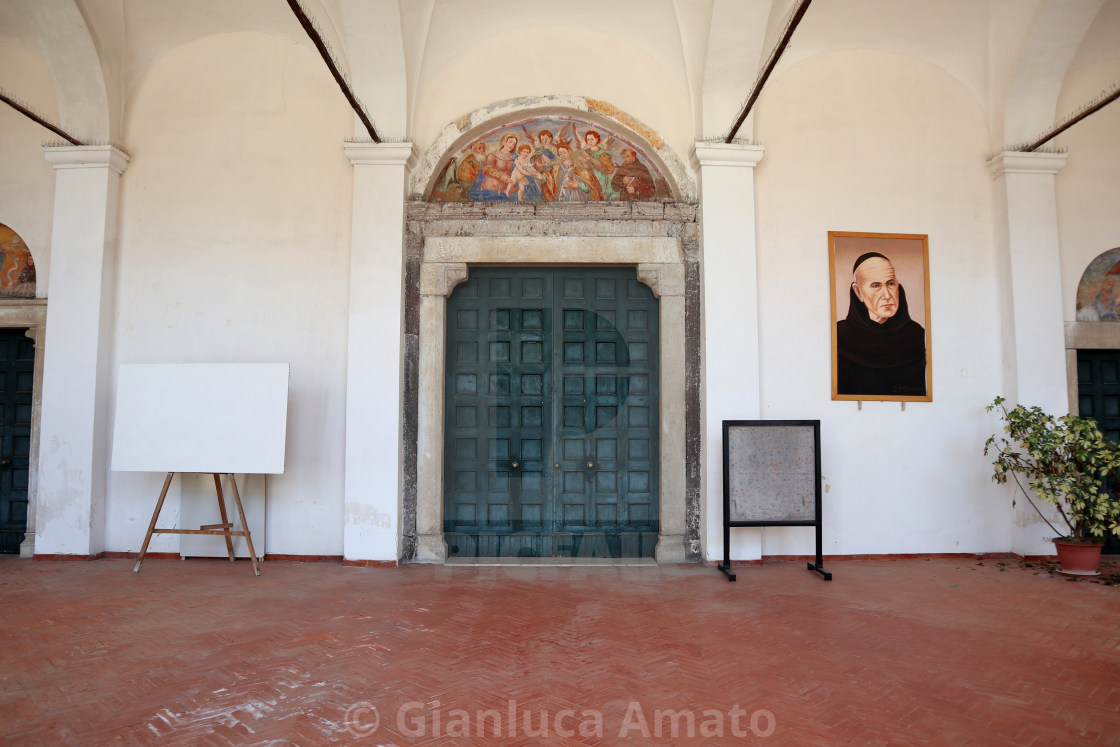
[(551, 414)]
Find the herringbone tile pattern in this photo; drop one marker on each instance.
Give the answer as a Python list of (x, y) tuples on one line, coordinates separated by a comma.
[(943, 652)]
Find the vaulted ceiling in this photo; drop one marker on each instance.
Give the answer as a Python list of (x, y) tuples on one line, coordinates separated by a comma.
[(683, 65)]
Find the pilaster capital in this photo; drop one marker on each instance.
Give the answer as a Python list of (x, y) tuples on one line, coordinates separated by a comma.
[(86, 157), (726, 154), (1018, 162), (378, 154)]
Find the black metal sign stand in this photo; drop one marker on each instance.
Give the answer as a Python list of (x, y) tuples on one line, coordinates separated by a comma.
[(817, 566)]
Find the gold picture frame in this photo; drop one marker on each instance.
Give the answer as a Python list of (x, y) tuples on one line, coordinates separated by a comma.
[(880, 313)]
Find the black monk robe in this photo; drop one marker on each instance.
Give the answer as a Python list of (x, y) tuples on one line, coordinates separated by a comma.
[(880, 359)]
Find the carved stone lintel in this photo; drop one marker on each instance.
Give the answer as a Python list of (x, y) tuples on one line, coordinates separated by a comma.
[(1092, 335), (440, 278), (663, 279)]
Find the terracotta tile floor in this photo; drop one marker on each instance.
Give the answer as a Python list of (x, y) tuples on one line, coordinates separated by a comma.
[(945, 652)]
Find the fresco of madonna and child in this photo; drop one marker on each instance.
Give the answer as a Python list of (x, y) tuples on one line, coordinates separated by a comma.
[(549, 159)]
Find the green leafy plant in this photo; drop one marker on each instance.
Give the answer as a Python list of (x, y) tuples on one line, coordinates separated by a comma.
[(1066, 461)]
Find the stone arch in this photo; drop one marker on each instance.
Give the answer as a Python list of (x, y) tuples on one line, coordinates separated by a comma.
[(457, 136)]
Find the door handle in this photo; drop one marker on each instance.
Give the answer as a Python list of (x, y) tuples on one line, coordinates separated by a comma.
[(5, 462), (590, 465), (515, 465)]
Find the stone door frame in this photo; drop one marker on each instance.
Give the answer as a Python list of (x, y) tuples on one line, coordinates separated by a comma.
[(445, 262), (30, 313), (1086, 336)]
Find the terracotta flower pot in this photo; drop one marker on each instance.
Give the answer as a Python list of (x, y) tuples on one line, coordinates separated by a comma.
[(1078, 558)]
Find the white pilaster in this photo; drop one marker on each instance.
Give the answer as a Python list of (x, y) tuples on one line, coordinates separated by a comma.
[(729, 293), (1031, 287), (374, 381), (73, 461)]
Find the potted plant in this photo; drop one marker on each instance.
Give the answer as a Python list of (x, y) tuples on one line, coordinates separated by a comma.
[(1066, 461)]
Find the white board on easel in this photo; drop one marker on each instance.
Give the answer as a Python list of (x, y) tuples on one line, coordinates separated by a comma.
[(194, 417)]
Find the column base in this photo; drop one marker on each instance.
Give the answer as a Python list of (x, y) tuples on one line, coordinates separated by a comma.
[(431, 548), (27, 547), (670, 549)]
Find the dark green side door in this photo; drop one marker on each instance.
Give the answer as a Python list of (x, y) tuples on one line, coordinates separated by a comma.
[(551, 414), (17, 374), (1098, 397)]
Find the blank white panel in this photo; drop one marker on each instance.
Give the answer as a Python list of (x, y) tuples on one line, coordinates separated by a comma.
[(201, 418)]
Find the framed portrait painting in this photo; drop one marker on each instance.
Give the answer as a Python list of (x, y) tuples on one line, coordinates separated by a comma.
[(881, 341)]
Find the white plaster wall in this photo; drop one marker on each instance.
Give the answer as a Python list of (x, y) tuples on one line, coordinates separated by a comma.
[(26, 179), (580, 48), (951, 34), (585, 61), (1102, 40), (235, 229), (880, 142), (1088, 188), (132, 36)]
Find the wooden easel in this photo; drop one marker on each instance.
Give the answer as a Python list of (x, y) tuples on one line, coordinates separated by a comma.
[(225, 528)]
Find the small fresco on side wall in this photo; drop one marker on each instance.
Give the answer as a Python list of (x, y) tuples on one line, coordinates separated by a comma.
[(17, 268), (1098, 293), (550, 159)]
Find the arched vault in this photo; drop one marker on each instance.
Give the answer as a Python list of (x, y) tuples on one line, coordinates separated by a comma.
[(79, 79), (1036, 79)]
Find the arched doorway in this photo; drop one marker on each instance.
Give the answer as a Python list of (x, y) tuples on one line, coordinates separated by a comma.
[(1093, 350), (22, 319), (593, 201)]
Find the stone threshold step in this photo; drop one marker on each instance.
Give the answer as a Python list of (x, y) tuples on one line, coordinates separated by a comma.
[(553, 562)]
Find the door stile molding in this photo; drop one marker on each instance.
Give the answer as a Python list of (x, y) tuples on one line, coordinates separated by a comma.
[(437, 281), (667, 281)]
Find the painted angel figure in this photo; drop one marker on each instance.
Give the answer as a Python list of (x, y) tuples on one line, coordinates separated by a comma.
[(598, 158), (544, 160), (575, 182)]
